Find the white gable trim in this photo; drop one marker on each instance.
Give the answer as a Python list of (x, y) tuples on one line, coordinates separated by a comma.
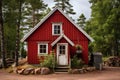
[(60, 37), (47, 16)]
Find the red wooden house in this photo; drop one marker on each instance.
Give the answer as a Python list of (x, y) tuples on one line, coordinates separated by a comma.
[(59, 33)]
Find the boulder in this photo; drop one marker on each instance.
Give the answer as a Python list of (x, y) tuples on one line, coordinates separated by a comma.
[(88, 69), (45, 71), (20, 71), (75, 71), (81, 71), (84, 70), (38, 71), (28, 71), (93, 68)]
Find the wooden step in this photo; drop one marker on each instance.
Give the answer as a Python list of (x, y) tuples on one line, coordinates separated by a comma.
[(61, 69)]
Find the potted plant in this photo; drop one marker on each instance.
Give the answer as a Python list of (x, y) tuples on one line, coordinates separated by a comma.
[(79, 51), (78, 48)]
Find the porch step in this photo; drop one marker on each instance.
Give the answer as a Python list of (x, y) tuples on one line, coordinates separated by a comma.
[(61, 69)]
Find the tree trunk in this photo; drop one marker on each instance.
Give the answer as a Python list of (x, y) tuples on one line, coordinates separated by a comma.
[(18, 33), (2, 37)]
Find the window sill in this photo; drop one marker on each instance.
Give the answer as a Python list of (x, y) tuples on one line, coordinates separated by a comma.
[(55, 34), (43, 54)]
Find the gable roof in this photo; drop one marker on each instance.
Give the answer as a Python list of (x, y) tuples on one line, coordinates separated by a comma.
[(47, 16), (60, 37)]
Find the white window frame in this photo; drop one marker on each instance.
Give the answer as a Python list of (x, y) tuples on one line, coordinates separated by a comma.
[(39, 48), (53, 24)]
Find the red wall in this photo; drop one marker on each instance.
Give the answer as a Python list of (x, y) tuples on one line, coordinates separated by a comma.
[(44, 33)]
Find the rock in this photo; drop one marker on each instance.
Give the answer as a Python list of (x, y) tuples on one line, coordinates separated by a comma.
[(93, 68), (88, 69), (32, 71), (28, 71), (38, 71), (70, 71), (45, 71), (84, 70), (20, 71), (75, 71), (81, 71)]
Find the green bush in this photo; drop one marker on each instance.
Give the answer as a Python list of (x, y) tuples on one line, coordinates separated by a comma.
[(76, 63), (49, 61)]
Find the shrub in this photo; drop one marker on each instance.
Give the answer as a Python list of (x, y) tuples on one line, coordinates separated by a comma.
[(77, 63), (49, 61)]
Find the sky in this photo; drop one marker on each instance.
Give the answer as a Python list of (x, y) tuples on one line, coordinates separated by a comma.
[(79, 6)]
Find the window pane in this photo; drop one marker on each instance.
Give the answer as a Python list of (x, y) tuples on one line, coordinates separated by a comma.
[(56, 29), (62, 49), (42, 48), (55, 32), (44, 51)]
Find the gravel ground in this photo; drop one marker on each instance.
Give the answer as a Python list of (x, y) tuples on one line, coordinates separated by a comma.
[(107, 74)]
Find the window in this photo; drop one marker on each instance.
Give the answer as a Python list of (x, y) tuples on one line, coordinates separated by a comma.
[(43, 48), (56, 28), (62, 49)]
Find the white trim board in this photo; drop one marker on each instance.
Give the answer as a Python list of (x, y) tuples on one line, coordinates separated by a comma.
[(47, 16), (60, 37)]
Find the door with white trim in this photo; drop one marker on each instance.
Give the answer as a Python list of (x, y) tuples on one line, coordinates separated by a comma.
[(62, 54)]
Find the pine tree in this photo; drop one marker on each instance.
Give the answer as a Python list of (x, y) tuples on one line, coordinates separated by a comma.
[(10, 14), (81, 21), (2, 36), (35, 9), (65, 6)]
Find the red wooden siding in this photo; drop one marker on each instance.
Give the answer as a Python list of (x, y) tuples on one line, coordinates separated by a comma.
[(44, 33), (32, 52)]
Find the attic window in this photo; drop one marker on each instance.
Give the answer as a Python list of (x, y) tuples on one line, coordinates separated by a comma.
[(56, 28)]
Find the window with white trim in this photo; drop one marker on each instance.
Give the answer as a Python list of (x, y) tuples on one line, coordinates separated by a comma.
[(56, 28), (43, 48)]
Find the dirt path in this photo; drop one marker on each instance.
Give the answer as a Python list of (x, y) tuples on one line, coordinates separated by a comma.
[(107, 74)]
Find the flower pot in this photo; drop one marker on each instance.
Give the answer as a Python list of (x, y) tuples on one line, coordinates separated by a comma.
[(78, 51)]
